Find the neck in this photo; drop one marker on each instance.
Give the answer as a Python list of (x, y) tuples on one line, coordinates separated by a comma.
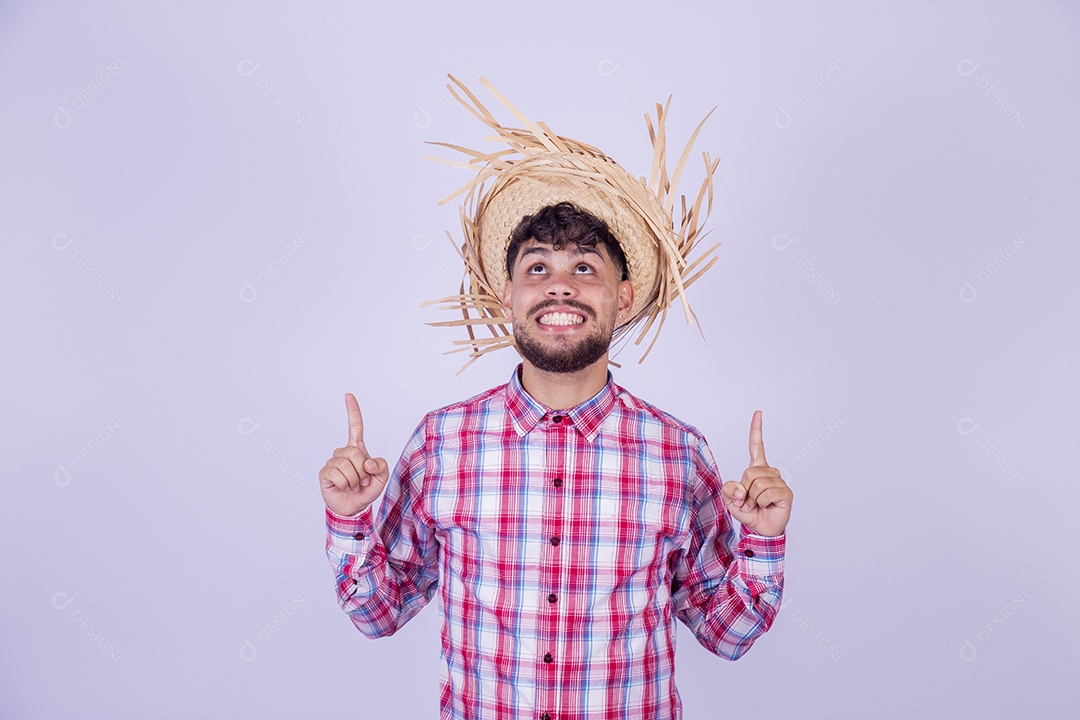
[(562, 391)]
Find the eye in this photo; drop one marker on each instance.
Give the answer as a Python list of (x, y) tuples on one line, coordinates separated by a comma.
[(535, 269), (584, 268)]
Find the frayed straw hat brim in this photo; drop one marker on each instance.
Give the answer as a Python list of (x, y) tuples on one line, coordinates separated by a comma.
[(539, 168)]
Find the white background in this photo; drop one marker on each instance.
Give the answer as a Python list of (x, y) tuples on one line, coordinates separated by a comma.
[(216, 221)]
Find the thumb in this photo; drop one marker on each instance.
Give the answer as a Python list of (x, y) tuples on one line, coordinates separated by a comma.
[(377, 468), (733, 493)]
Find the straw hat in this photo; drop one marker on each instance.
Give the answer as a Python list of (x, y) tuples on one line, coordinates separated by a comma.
[(540, 168)]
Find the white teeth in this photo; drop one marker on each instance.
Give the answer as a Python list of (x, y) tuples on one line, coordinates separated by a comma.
[(561, 318)]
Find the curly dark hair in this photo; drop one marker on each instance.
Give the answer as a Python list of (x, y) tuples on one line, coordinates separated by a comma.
[(565, 224)]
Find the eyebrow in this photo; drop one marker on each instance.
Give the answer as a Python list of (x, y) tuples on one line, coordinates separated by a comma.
[(547, 252)]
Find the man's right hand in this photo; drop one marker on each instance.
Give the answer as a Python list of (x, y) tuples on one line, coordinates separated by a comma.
[(351, 480)]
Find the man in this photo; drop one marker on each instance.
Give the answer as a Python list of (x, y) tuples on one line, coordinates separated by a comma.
[(565, 522)]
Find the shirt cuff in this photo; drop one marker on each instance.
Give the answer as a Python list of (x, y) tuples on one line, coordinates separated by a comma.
[(761, 555), (350, 535)]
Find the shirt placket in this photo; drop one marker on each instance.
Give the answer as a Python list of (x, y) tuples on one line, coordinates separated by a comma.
[(549, 630)]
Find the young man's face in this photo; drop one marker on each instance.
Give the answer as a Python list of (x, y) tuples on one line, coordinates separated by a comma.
[(564, 305)]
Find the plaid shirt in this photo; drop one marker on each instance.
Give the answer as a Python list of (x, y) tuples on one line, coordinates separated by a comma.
[(567, 542)]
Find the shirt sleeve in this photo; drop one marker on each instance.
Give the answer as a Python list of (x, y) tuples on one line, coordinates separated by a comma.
[(728, 584), (386, 569)]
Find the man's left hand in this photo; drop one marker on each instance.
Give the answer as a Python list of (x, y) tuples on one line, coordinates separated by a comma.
[(761, 500)]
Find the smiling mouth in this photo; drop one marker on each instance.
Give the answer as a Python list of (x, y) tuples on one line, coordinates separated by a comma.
[(560, 318)]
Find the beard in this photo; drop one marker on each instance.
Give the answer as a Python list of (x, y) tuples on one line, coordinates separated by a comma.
[(566, 358)]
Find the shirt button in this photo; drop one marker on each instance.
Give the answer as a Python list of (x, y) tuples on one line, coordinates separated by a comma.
[(554, 541), (557, 482), (748, 553), (557, 419), (548, 658), (552, 598), (359, 536), (545, 716)]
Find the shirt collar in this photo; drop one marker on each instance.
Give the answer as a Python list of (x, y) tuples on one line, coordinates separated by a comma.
[(587, 417)]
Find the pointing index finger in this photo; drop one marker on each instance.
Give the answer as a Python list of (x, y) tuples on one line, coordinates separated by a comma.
[(757, 447), (356, 421)]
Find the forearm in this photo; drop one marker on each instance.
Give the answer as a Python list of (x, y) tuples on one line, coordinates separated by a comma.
[(377, 592), (728, 614)]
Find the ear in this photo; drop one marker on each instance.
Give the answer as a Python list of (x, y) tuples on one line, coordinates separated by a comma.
[(506, 298), (626, 301)]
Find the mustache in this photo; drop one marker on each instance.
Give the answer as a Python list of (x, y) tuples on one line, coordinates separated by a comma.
[(538, 307)]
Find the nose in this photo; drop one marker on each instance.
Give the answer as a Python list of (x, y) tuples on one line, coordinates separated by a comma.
[(561, 285)]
